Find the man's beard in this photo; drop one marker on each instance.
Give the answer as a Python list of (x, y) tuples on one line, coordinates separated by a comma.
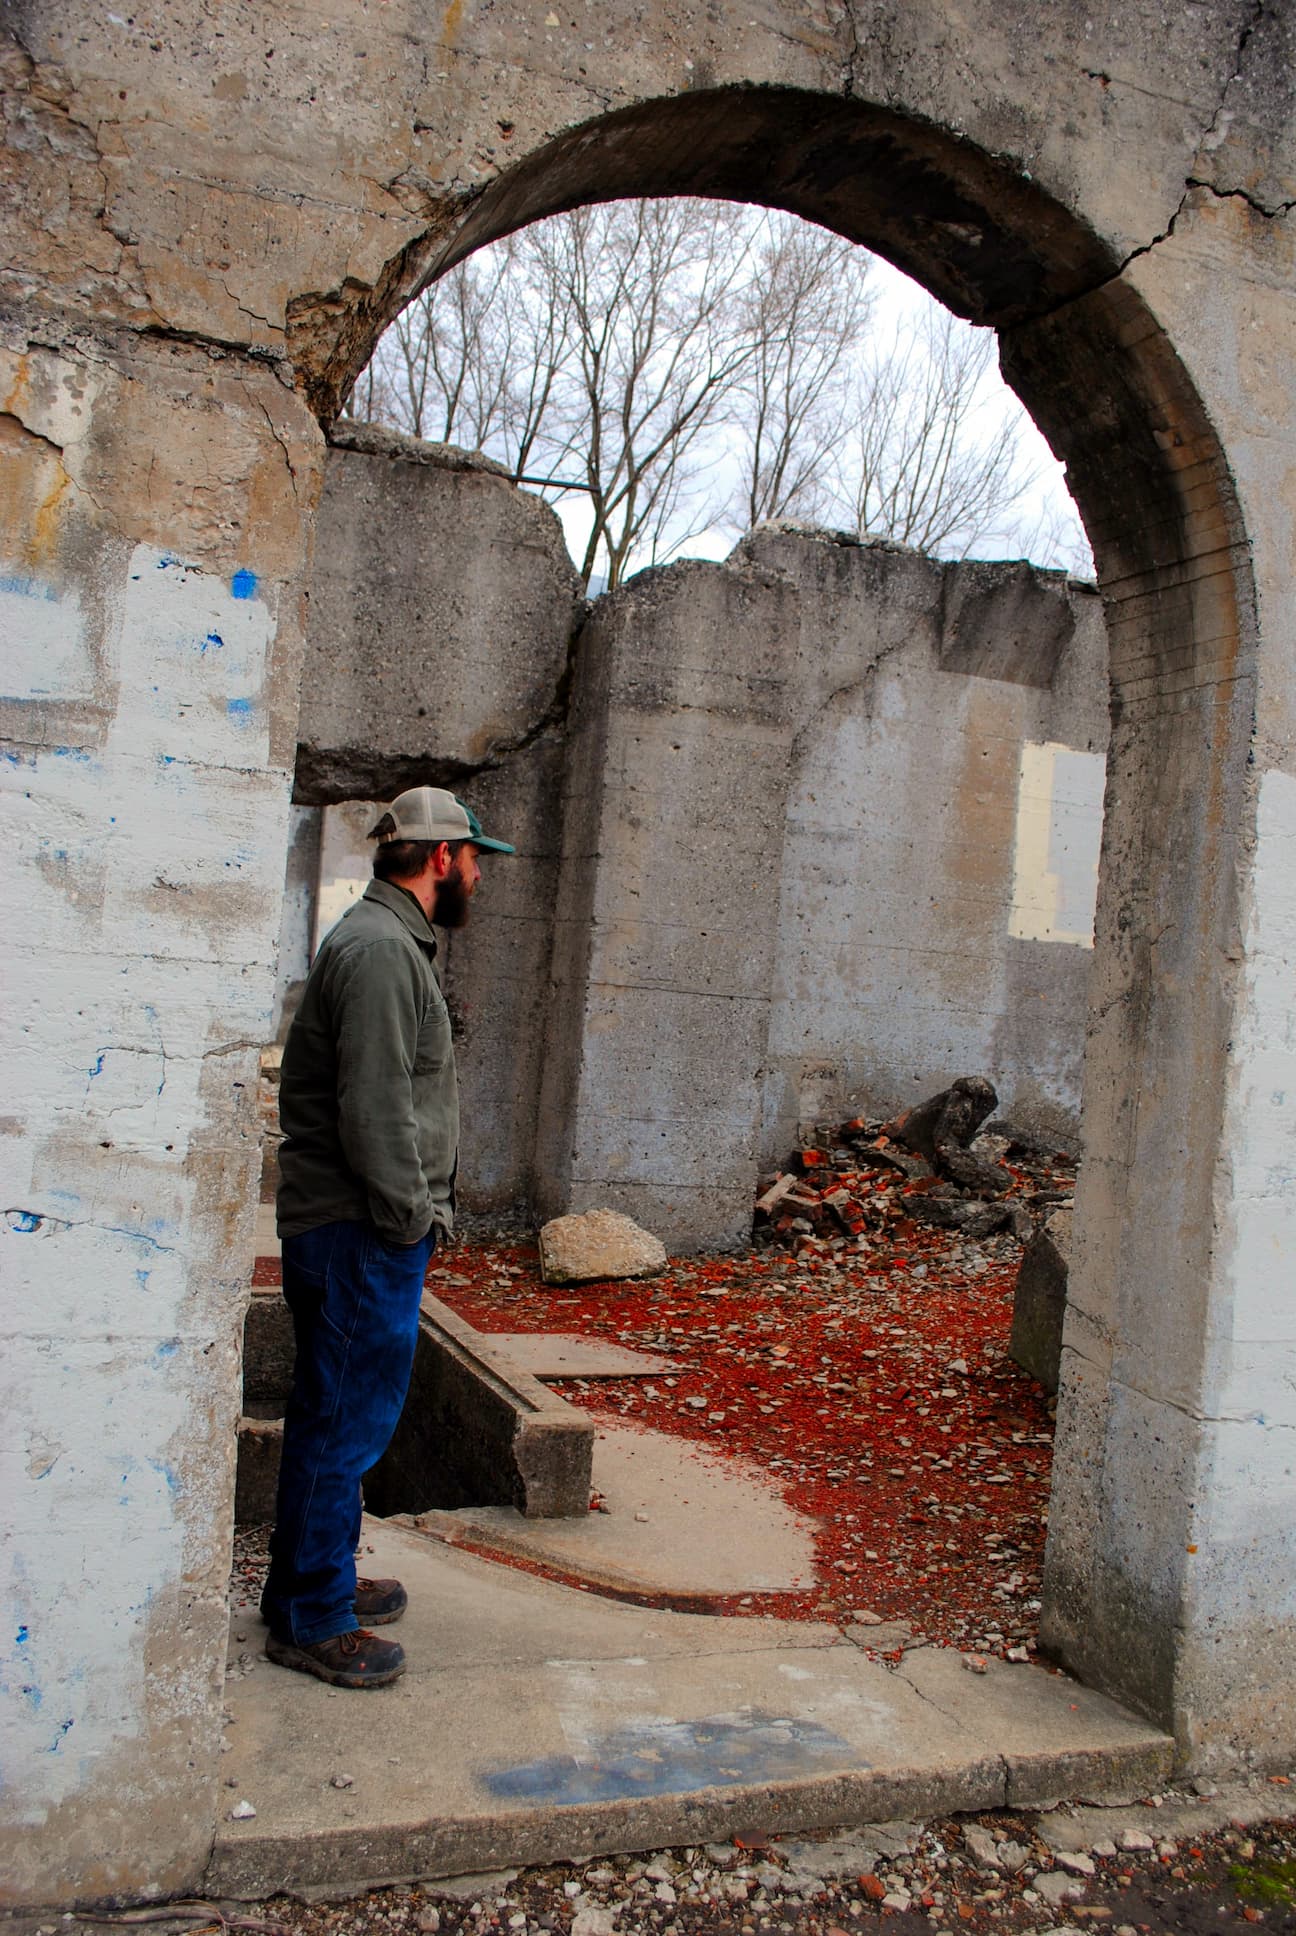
[(450, 908)]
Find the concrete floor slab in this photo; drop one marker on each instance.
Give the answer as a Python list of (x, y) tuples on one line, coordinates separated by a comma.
[(680, 1519), (541, 1723), (560, 1354)]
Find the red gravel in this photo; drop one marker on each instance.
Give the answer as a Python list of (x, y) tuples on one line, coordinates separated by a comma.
[(880, 1401)]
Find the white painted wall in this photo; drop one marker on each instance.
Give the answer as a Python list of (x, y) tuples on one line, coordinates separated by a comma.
[(1246, 1518), (138, 875)]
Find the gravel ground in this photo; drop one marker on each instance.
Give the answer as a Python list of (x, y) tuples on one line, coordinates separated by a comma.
[(1005, 1873)]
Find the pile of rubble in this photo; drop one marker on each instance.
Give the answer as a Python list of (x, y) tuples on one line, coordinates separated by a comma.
[(864, 1184)]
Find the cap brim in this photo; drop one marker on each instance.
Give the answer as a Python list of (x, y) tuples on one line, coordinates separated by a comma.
[(491, 846)]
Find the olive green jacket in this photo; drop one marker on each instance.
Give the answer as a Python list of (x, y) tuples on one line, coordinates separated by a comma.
[(368, 1100)]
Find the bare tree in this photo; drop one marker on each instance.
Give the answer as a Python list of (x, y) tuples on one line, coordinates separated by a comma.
[(677, 366), (653, 291), (922, 465), (807, 310)]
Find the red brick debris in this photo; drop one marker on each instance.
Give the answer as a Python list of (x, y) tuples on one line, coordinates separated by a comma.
[(868, 1377)]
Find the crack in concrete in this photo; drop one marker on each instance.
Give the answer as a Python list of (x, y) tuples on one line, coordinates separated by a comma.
[(1210, 137), (1276, 213), (947, 1714), (853, 52), (277, 361), (37, 437), (282, 443)]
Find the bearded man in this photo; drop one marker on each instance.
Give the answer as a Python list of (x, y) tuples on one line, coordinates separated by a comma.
[(369, 1107)]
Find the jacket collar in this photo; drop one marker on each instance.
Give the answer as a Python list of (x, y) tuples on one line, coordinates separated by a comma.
[(402, 904)]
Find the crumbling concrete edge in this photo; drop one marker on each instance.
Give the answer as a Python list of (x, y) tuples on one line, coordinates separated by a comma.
[(250, 1868), (553, 1441)]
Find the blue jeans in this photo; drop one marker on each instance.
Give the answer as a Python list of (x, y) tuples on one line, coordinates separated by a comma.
[(355, 1305)]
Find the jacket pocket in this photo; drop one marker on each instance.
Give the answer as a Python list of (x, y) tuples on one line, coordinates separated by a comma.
[(432, 1050)]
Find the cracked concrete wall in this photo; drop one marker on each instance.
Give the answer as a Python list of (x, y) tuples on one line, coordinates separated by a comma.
[(205, 226), (917, 913), (789, 869), (894, 898), (442, 608), (152, 634)]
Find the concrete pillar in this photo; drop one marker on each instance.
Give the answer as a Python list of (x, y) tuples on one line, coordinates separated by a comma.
[(667, 902), (1171, 1569), (153, 537)]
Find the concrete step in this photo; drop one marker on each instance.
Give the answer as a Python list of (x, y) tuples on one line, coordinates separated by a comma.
[(538, 1723), (680, 1520), (476, 1429)]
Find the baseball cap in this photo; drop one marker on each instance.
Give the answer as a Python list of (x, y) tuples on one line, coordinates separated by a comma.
[(430, 813)]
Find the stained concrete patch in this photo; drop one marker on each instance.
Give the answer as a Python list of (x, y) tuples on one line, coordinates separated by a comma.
[(550, 1355), (679, 1519), (538, 1723), (676, 1757)]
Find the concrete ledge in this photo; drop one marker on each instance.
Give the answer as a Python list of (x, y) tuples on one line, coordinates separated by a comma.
[(477, 1431), (269, 1349), (260, 1441), (252, 1868)]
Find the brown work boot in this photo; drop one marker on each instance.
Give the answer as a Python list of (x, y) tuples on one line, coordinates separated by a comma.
[(379, 1602), (355, 1659)]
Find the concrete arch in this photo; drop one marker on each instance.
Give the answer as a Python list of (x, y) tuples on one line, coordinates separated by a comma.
[(207, 229), (1104, 380)]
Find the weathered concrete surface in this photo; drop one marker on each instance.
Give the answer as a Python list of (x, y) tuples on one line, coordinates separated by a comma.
[(198, 221), (553, 1355), (1039, 1301), (662, 962), (531, 1726), (943, 815), (677, 1519), (440, 619), (846, 865), (153, 552)]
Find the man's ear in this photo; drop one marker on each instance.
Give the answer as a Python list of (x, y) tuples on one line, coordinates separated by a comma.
[(442, 860)]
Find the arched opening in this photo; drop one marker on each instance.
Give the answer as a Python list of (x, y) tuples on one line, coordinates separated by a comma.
[(1104, 383)]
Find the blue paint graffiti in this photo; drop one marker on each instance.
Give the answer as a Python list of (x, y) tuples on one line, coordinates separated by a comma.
[(244, 584), (96, 1067), (212, 638), (24, 1222), (57, 1742), (165, 1472), (167, 1349), (29, 588), (21, 1635), (142, 1278), (77, 753), (666, 1757), (240, 710)]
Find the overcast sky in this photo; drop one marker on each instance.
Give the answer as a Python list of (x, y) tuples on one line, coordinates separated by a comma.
[(1045, 526)]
